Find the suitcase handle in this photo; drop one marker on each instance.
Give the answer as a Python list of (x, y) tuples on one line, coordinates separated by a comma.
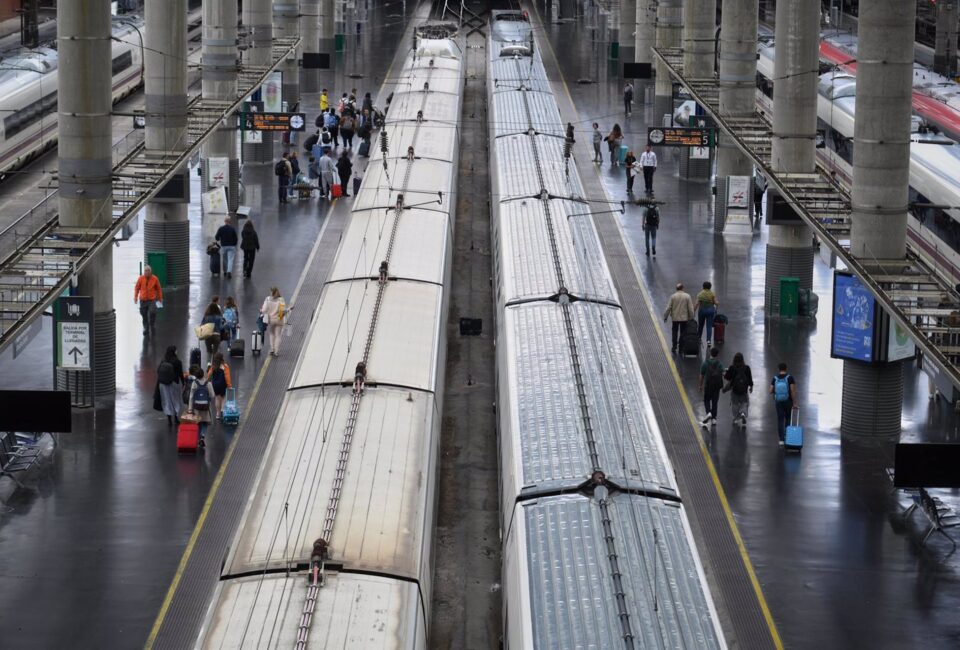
[(231, 395), (795, 416)]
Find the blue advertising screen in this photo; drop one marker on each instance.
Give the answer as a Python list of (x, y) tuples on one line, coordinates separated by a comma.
[(854, 314)]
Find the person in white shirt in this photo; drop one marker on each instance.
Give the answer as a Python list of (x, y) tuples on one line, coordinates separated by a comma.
[(648, 161)]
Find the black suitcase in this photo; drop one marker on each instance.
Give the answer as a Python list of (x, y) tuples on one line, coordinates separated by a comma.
[(195, 357), (356, 185), (237, 347), (309, 142), (690, 340), (215, 263), (364, 149)]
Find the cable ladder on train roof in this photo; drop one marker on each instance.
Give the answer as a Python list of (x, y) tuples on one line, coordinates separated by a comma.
[(316, 576)]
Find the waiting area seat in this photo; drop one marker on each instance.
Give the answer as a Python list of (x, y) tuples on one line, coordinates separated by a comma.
[(16, 457)]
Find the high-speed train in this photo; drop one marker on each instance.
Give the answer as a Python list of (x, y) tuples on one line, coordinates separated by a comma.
[(335, 547), (934, 162), (28, 92), (597, 548)]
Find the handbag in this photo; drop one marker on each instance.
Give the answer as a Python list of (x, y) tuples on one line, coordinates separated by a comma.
[(205, 331), (157, 400), (261, 324)]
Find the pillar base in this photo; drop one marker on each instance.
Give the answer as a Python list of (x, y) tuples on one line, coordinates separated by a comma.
[(662, 105), (786, 262), (872, 400), (309, 81), (172, 237), (103, 390), (627, 55), (261, 152)]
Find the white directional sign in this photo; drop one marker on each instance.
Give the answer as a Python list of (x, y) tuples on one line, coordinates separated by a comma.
[(74, 350)]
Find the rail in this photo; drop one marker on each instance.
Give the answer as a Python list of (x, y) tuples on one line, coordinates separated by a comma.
[(41, 264), (911, 290)]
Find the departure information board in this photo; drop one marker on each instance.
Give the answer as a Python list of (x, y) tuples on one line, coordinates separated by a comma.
[(274, 121), (661, 136)]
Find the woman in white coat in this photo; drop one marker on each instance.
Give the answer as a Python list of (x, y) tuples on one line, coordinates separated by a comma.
[(274, 312)]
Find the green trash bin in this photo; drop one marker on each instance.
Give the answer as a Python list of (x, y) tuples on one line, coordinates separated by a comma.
[(338, 41), (157, 260), (615, 50), (789, 297)]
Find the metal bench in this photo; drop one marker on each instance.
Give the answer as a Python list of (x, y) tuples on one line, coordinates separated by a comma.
[(15, 457), (939, 515)]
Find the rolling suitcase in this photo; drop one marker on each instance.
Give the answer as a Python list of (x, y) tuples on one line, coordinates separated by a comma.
[(793, 436), (719, 328), (690, 340), (237, 347), (364, 149), (214, 261), (231, 410), (356, 185), (188, 437), (336, 190), (622, 153), (256, 341), (195, 357)]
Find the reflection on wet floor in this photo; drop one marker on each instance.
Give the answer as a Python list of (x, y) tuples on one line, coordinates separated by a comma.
[(839, 564)]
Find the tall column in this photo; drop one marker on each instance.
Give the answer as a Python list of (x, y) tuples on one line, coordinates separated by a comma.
[(85, 162), (219, 82), (286, 24), (945, 51), (738, 73), (790, 248), (328, 31), (646, 30), (166, 226), (628, 23), (699, 32), (258, 21), (310, 33), (881, 176), (669, 28)]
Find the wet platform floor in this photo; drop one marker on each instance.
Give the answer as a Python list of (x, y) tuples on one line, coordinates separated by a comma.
[(838, 564)]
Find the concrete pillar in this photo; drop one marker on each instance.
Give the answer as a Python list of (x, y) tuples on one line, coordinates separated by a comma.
[(669, 29), (628, 23), (85, 162), (258, 21), (310, 33), (166, 226), (881, 175), (219, 82), (738, 72), (699, 32), (790, 248), (328, 31), (945, 50), (286, 24), (645, 36)]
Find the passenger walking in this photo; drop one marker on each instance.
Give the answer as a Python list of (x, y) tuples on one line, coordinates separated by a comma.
[(210, 327), (249, 244), (711, 382), (332, 123), (324, 100), (345, 170), (227, 238), (328, 175), (283, 170), (630, 164), (614, 140), (367, 104), (784, 391), (680, 310), (169, 377), (597, 139), (149, 294), (347, 127), (759, 187), (740, 385), (628, 98), (219, 375), (231, 319), (648, 162), (651, 223), (707, 304), (198, 402), (274, 312)]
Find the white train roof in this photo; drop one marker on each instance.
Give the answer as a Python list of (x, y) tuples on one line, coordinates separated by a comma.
[(512, 72), (384, 520), (516, 172), (570, 599), (512, 117), (352, 611), (427, 177)]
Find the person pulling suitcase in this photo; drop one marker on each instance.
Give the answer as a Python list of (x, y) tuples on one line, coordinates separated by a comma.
[(783, 387)]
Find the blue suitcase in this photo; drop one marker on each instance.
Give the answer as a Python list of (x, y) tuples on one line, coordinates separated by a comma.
[(231, 411), (622, 153), (793, 436)]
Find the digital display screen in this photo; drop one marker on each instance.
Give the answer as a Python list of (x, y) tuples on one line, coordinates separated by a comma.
[(854, 317), (678, 136), (274, 121)]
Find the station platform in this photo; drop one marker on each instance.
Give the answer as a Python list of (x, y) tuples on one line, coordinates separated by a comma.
[(91, 548), (836, 561)]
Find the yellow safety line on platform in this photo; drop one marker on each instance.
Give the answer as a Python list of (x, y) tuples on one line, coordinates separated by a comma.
[(744, 554), (215, 488)]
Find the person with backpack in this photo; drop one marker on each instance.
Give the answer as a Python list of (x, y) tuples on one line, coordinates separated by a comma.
[(784, 390), (219, 376), (332, 124), (711, 383), (740, 386), (628, 98), (249, 244), (231, 319), (651, 223), (198, 401), (284, 172), (347, 127), (274, 311), (210, 327), (614, 140), (169, 377)]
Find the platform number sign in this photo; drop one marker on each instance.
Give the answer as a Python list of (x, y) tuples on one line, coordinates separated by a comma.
[(73, 332)]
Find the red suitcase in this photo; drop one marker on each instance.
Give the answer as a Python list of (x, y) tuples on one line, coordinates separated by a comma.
[(719, 329), (188, 438), (336, 190)]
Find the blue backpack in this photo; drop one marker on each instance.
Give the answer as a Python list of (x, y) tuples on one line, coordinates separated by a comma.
[(201, 397), (230, 317), (781, 388)]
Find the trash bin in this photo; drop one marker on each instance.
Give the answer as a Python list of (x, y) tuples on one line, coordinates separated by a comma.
[(615, 50), (157, 260), (338, 41), (789, 297)]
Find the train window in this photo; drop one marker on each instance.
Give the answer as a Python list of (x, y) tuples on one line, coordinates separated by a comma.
[(20, 120), (764, 85), (122, 62)]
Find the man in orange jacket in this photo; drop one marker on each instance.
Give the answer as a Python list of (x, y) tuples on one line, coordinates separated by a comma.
[(148, 293)]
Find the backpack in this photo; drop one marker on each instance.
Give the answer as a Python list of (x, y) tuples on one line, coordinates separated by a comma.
[(739, 381), (280, 169), (166, 375), (201, 397), (219, 380), (714, 375), (653, 218), (781, 388), (230, 317), (325, 137)]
